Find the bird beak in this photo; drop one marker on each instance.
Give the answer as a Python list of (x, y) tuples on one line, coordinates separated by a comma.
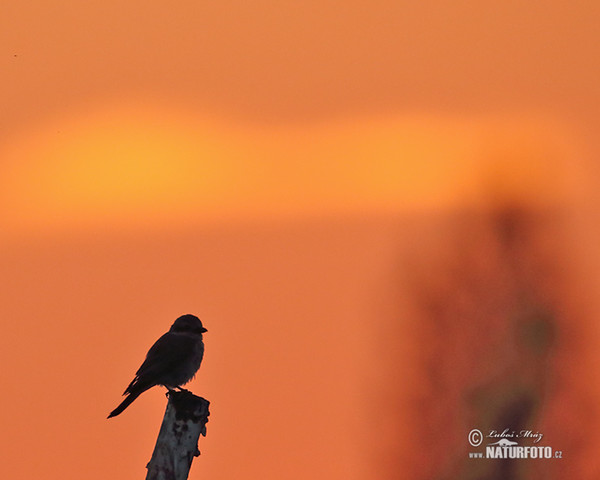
[(204, 330)]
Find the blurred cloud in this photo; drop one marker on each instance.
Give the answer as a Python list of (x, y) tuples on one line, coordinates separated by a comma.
[(138, 165)]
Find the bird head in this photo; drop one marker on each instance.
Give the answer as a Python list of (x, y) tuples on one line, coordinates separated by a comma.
[(188, 324)]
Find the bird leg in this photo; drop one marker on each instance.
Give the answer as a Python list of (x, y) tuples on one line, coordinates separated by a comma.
[(169, 390)]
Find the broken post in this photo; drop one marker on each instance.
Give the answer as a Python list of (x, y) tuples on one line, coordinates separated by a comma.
[(177, 444)]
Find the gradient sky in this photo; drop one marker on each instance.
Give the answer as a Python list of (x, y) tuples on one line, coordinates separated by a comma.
[(255, 164)]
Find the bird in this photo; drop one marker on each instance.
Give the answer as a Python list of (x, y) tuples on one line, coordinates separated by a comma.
[(171, 362)]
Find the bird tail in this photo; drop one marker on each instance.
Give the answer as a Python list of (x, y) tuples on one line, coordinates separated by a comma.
[(125, 403)]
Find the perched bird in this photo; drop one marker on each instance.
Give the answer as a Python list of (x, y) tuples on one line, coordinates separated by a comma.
[(172, 361)]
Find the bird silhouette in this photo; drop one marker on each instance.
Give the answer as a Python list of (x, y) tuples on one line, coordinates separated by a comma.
[(171, 362)]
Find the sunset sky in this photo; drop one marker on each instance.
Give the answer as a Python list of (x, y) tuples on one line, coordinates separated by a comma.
[(268, 166)]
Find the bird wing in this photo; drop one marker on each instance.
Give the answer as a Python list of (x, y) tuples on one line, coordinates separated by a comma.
[(170, 351)]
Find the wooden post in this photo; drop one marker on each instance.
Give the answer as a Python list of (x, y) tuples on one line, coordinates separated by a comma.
[(177, 444)]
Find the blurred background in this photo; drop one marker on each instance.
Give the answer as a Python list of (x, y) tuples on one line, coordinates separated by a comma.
[(384, 212)]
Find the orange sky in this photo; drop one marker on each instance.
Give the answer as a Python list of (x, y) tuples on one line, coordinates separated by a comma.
[(280, 61), (128, 165), (255, 164)]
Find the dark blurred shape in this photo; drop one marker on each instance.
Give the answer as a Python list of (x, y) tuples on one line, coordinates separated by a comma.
[(485, 288)]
